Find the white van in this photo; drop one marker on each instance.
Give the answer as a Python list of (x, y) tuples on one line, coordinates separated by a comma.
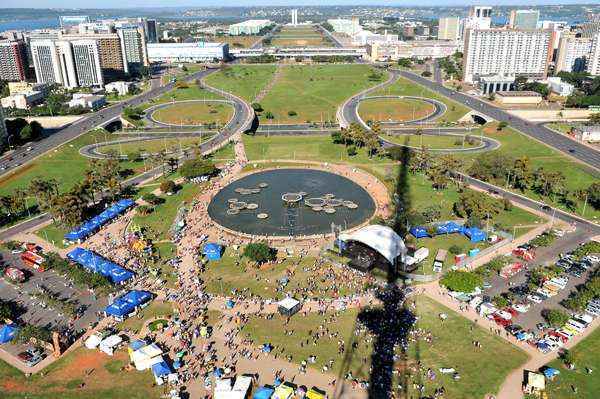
[(585, 319), (576, 325)]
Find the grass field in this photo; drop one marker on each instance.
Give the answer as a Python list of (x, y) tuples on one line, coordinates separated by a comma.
[(588, 385), (81, 374), (394, 109), (192, 92), (225, 275), (233, 41), (562, 127), (64, 164), (299, 36), (160, 220), (155, 309), (313, 92), (53, 234), (481, 370), (245, 81), (430, 141), (404, 87), (154, 146), (195, 113)]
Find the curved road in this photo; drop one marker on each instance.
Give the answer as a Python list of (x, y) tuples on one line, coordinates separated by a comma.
[(149, 116), (241, 121), (581, 152), (439, 109), (486, 143)]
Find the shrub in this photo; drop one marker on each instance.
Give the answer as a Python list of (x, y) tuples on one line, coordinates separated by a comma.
[(259, 252), (455, 249), (269, 115), (144, 210), (197, 167), (257, 107), (292, 113), (461, 281), (152, 199), (555, 317), (352, 150), (426, 74), (168, 186)]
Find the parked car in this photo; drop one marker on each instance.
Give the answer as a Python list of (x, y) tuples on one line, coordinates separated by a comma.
[(521, 307), (534, 298), (31, 357)]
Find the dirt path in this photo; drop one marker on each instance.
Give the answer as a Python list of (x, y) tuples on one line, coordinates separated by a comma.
[(265, 90)]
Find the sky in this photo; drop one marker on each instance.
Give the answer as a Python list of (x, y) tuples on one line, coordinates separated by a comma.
[(200, 3)]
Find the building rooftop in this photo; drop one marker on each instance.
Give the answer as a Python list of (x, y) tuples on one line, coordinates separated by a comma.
[(253, 22), (185, 45), (518, 94)]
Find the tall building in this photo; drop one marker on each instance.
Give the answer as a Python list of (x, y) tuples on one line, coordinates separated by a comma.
[(133, 48), (480, 17), (524, 19), (573, 53), (109, 52), (344, 25), (449, 28), (294, 13), (507, 52), (13, 60), (591, 27), (87, 63), (593, 66), (249, 27), (44, 54), (66, 65), (151, 31)]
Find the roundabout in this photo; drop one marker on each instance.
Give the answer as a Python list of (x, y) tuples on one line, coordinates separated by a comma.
[(294, 202), (439, 141), (190, 113), (408, 110)]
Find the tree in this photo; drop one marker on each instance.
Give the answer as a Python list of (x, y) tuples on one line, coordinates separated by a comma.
[(548, 182), (269, 115), (476, 204), (152, 199), (29, 331), (593, 195), (197, 167), (501, 125), (594, 119), (432, 213), (259, 252), (426, 74), (168, 186), (36, 129), (405, 62), (351, 150), (522, 175), (461, 281), (555, 317), (26, 134), (500, 301), (6, 310), (257, 107)]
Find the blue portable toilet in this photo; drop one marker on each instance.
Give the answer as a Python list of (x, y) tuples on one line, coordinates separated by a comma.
[(213, 251), (263, 393)]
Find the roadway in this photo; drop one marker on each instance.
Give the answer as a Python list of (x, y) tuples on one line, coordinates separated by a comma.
[(581, 152), (330, 36), (90, 121)]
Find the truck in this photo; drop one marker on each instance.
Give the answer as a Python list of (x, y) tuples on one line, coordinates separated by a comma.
[(34, 260), (440, 258), (14, 274), (419, 255)]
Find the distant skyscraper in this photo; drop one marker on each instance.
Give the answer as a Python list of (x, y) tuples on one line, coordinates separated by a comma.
[(151, 31), (524, 19), (13, 60), (133, 46), (449, 28), (480, 17), (573, 53), (294, 17)]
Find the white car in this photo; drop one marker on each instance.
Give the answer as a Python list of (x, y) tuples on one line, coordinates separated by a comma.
[(504, 315), (534, 298), (521, 307)]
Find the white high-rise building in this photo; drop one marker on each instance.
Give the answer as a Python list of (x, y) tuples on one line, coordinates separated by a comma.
[(87, 63), (480, 17), (133, 46), (294, 14), (573, 53), (66, 64), (593, 66), (449, 28), (506, 52), (44, 54)]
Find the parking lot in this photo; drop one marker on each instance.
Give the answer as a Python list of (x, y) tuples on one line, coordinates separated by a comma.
[(544, 256), (34, 311)]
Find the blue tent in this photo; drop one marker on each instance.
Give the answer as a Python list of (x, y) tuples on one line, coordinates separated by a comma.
[(448, 228), (161, 369), (91, 226), (127, 304), (213, 251), (97, 264), (137, 344), (263, 393), (550, 372), (7, 333), (229, 304), (475, 234), (419, 232)]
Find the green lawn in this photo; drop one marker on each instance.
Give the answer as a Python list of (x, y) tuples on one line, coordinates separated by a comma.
[(481, 370), (404, 87), (100, 375), (394, 109), (430, 141), (300, 36), (64, 164), (53, 234), (195, 113), (588, 385), (245, 81), (562, 127), (314, 92), (155, 309), (160, 220), (192, 92), (326, 281), (154, 146)]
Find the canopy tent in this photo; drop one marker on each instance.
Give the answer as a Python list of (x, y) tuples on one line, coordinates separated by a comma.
[(283, 391), (8, 333), (135, 345), (146, 356), (475, 234), (97, 264), (213, 251), (263, 393), (380, 238), (91, 226), (419, 232), (128, 303), (93, 341), (242, 384), (448, 228), (315, 393), (288, 306), (109, 343), (161, 368), (550, 372)]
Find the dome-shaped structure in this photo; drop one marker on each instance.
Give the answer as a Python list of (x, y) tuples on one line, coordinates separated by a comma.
[(382, 239)]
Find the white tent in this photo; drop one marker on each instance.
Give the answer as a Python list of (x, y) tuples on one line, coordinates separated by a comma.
[(382, 239), (109, 344), (288, 306), (93, 341), (239, 390), (146, 356)]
